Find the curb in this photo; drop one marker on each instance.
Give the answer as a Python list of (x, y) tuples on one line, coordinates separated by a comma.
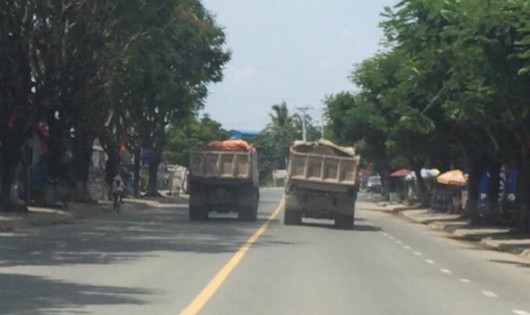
[(39, 216), (477, 235), (460, 229)]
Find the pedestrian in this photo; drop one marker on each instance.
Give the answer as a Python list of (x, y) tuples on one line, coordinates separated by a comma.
[(117, 190)]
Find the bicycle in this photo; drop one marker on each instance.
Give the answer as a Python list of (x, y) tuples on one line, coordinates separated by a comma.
[(118, 200)]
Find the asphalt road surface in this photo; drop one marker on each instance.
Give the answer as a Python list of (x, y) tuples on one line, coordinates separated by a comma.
[(155, 261)]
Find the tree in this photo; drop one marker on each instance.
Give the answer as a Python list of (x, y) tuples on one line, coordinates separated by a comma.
[(19, 109), (101, 69), (282, 134), (355, 121), (183, 138), (166, 74)]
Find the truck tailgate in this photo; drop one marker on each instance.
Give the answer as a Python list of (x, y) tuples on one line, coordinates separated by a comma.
[(317, 171), (221, 164)]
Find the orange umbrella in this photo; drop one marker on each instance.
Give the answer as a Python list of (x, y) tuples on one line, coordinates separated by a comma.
[(453, 177)]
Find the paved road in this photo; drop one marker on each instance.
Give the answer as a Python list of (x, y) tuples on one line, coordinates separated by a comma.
[(157, 262)]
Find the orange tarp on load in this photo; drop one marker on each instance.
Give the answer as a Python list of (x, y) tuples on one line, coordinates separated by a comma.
[(229, 145)]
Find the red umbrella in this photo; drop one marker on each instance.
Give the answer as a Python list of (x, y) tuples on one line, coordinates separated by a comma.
[(400, 173)]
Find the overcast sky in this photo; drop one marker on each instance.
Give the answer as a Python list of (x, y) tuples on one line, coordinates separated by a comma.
[(297, 51)]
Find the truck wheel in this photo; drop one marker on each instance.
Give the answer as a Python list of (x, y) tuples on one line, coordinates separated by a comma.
[(198, 213), (249, 213), (344, 221), (291, 217)]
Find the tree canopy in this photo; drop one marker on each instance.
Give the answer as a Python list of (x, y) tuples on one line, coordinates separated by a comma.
[(120, 71)]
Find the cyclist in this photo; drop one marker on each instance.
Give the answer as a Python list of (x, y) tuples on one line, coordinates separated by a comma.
[(117, 191)]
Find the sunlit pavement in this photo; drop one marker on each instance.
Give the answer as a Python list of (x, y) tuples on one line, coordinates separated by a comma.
[(155, 261)]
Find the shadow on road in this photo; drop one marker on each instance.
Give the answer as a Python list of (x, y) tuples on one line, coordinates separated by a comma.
[(356, 227), (122, 238), (109, 239), (48, 295), (515, 263)]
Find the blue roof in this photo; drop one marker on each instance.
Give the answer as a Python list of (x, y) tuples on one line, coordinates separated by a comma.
[(235, 134)]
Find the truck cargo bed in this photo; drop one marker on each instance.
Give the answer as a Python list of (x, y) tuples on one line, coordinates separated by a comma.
[(322, 172), (221, 164)]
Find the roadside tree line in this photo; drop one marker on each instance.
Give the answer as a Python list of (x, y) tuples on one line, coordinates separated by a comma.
[(125, 72), (450, 89)]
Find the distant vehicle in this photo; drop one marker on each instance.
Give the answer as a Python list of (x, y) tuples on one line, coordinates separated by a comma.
[(374, 184), (322, 183), (223, 177)]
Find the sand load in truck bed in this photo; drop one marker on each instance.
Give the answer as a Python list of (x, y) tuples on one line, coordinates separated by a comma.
[(229, 145), (313, 164), (230, 159), (323, 147)]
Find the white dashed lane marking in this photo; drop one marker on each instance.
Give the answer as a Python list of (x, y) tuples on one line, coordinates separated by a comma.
[(446, 271), (489, 294)]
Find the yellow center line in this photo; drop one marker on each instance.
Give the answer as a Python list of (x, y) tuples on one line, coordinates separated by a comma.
[(200, 300)]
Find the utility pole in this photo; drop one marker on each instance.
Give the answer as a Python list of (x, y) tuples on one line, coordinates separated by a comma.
[(303, 109), (323, 123)]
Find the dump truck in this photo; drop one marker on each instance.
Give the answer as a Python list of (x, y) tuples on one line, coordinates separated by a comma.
[(322, 183), (223, 177)]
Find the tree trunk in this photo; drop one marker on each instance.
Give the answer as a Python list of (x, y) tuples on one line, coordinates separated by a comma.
[(152, 187), (523, 186), (112, 167), (471, 209), (81, 163), (9, 165), (55, 149), (11, 155), (421, 189), (385, 183), (136, 182), (493, 191)]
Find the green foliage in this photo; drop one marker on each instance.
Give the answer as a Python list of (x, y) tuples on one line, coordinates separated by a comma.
[(280, 134), (119, 70), (452, 85), (191, 134), (274, 141)]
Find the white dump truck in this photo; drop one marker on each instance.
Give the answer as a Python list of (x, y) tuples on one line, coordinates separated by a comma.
[(223, 177), (322, 183)]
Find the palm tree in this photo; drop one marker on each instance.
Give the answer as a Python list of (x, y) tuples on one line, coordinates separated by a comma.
[(282, 134), (279, 117)]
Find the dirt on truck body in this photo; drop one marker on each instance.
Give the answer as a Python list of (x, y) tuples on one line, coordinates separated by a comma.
[(322, 183), (223, 177)]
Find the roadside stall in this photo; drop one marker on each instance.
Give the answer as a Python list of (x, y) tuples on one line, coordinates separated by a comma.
[(429, 179), (397, 186), (447, 196)]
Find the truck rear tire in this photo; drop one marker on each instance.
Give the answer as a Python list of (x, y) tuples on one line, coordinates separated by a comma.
[(344, 221), (292, 217), (247, 212), (198, 213)]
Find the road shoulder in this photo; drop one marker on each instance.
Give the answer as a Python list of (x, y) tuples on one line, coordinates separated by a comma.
[(456, 226)]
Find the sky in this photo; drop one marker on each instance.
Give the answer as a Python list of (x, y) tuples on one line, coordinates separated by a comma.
[(297, 51)]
